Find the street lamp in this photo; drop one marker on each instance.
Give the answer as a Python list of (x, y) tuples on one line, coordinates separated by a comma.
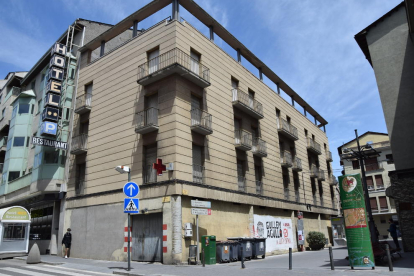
[(126, 169), (364, 152)]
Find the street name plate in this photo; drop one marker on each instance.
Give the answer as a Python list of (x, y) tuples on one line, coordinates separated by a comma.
[(200, 204), (196, 211)]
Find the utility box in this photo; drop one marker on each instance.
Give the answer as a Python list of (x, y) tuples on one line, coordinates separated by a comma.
[(188, 230), (209, 245)]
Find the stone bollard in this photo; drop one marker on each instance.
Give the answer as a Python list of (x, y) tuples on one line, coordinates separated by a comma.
[(34, 255)]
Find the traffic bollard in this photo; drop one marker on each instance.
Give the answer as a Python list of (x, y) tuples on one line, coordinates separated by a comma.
[(387, 248), (204, 258), (242, 257), (331, 258), (290, 258)]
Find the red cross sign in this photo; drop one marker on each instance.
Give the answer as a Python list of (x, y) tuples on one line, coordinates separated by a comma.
[(159, 167)]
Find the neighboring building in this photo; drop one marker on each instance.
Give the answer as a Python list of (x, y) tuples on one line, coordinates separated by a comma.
[(388, 46), (230, 139), (34, 104), (376, 172)]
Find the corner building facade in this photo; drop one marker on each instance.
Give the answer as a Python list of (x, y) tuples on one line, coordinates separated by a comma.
[(231, 139)]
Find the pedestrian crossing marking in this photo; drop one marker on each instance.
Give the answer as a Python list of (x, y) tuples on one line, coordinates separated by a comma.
[(131, 205), (24, 272), (83, 271), (54, 270)]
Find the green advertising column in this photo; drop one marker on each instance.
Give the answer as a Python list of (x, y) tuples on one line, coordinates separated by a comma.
[(356, 225), (209, 245)]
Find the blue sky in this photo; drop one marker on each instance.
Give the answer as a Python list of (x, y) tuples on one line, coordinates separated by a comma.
[(309, 44)]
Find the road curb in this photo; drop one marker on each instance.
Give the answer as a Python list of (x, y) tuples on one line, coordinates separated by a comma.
[(43, 262), (127, 273)]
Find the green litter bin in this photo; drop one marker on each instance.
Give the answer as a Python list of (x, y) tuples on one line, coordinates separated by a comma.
[(209, 245)]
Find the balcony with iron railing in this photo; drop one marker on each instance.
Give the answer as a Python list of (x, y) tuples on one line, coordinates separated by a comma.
[(242, 139), (377, 166), (171, 62), (328, 156), (313, 146), (371, 187), (241, 183), (321, 175), (259, 147), (380, 187), (147, 121), (287, 129), (332, 180), (3, 143), (286, 159), (79, 144), (247, 104), (83, 103), (201, 122), (314, 171), (198, 174), (297, 164), (259, 187), (149, 174)]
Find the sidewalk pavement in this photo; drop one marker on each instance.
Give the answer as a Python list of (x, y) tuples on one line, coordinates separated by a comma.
[(310, 262)]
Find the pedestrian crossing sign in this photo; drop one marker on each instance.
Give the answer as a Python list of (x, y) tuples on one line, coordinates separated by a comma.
[(131, 205)]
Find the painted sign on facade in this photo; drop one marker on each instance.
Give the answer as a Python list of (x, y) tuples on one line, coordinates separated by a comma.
[(277, 231), (356, 225), (49, 143)]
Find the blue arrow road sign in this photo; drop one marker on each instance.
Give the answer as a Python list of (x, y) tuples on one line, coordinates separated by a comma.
[(131, 189), (131, 205)]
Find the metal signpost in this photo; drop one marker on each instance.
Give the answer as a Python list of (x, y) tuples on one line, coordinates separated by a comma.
[(131, 206), (198, 211)]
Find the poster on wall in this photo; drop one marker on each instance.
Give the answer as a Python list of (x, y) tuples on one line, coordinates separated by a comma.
[(277, 231), (356, 226)]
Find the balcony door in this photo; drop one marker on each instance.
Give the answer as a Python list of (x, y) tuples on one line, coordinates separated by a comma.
[(237, 135), (371, 164), (88, 95), (150, 175), (153, 61), (251, 99), (195, 62), (195, 110), (198, 164), (240, 175), (151, 110)]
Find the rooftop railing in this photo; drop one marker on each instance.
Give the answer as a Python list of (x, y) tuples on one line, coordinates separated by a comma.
[(287, 128), (246, 103), (152, 67)]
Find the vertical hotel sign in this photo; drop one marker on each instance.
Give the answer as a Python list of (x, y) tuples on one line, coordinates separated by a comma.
[(356, 226), (52, 112)]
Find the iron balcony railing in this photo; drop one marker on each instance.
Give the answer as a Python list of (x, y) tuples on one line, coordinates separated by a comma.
[(3, 141), (373, 167), (329, 156), (149, 174), (380, 187), (370, 187), (332, 180), (241, 183), (259, 147), (259, 187), (247, 103), (286, 159), (147, 120), (79, 144), (321, 175), (286, 193), (172, 57), (287, 128), (297, 164), (243, 139), (201, 121), (79, 186), (15, 91), (198, 174), (314, 146), (83, 103), (314, 171)]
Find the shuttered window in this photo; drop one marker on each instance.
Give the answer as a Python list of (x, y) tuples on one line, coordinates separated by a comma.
[(383, 202), (355, 164), (373, 201), (378, 181), (370, 182)]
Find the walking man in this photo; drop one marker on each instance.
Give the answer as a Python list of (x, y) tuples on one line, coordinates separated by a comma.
[(393, 232), (67, 240)]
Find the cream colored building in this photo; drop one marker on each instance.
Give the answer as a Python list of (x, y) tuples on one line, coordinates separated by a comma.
[(376, 171), (171, 93)]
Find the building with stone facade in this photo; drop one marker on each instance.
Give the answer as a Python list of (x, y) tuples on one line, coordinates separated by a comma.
[(376, 172), (171, 93), (388, 46)]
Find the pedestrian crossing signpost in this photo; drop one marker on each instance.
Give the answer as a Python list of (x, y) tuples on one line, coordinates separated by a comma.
[(131, 205)]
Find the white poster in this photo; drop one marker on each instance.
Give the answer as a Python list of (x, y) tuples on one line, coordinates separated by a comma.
[(277, 231)]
